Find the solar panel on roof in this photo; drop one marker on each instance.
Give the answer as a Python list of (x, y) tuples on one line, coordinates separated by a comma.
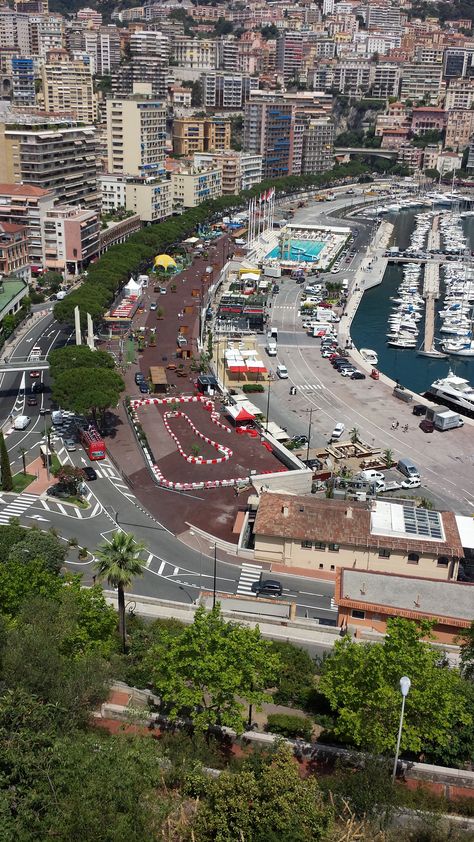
[(422, 522)]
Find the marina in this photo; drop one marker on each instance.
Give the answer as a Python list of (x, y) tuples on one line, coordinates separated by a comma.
[(428, 338)]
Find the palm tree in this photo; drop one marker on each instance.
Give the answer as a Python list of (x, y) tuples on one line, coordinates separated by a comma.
[(118, 562), (388, 457), (354, 434)]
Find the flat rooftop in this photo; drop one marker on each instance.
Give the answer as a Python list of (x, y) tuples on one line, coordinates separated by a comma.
[(9, 289)]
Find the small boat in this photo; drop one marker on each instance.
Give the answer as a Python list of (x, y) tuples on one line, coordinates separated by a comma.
[(369, 356)]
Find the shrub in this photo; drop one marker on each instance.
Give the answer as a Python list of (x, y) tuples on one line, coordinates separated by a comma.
[(252, 387), (296, 676), (289, 726)]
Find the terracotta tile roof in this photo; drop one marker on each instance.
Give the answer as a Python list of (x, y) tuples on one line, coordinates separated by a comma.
[(342, 522), (22, 190)]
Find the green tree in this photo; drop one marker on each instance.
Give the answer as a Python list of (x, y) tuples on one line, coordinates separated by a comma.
[(23, 580), (78, 356), (387, 457), (43, 546), (70, 478), (361, 683), (85, 392), (5, 469), (211, 668), (266, 805), (354, 435), (119, 563), (467, 653), (196, 94)]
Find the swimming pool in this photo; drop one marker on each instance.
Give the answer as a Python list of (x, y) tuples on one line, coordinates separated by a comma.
[(304, 251)]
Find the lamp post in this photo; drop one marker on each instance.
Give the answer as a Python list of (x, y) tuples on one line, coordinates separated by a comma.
[(268, 400), (309, 432), (405, 685), (215, 577)]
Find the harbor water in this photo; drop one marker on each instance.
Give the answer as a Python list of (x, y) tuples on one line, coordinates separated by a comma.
[(369, 326)]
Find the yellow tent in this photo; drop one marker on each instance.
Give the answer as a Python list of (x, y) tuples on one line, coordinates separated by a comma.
[(165, 261)]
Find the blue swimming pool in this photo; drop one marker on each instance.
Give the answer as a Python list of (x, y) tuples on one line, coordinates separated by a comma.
[(305, 251)]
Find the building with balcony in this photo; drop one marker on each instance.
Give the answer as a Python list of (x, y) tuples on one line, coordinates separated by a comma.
[(14, 251), (289, 55), (67, 87), (52, 155), (24, 205), (70, 238), (194, 54), (151, 199), (427, 119), (200, 134), (240, 170), (318, 145), (193, 186), (136, 136), (422, 82), (23, 70), (227, 90), (459, 129)]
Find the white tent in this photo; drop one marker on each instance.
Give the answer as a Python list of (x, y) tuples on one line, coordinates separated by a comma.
[(132, 288)]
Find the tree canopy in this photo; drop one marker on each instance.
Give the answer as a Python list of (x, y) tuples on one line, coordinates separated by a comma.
[(78, 356), (361, 683), (211, 668), (83, 391)]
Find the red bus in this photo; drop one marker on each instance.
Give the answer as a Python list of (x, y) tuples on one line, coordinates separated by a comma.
[(92, 443)]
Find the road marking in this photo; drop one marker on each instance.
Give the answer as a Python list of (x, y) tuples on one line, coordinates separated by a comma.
[(149, 560), (161, 568), (38, 517), (175, 571), (250, 573), (44, 503), (61, 508), (96, 509), (78, 512)]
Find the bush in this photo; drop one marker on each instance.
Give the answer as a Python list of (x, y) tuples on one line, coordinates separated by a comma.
[(290, 726), (296, 676), (252, 387)]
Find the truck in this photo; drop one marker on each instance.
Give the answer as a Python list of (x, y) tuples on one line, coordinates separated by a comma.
[(444, 419)]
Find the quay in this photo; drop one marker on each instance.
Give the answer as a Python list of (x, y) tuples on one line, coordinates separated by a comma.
[(431, 287)]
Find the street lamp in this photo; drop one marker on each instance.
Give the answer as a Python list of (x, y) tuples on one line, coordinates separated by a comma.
[(215, 577), (405, 685), (268, 400), (181, 588), (309, 433)]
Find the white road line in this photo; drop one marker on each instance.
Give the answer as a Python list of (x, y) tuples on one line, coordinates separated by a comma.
[(250, 573), (44, 503), (175, 571), (78, 512), (95, 510), (149, 560), (61, 508), (161, 568)]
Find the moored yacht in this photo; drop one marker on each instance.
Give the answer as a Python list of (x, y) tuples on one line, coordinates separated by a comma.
[(456, 390)]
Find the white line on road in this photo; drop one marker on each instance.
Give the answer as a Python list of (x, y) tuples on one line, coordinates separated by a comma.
[(149, 560), (161, 568)]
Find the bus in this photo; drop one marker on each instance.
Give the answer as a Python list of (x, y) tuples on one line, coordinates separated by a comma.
[(92, 443)]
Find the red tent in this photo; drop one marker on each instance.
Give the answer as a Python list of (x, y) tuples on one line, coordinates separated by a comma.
[(239, 414)]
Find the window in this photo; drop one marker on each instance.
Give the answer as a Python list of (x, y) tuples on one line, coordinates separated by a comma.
[(384, 553), (319, 545), (413, 558), (321, 566), (443, 561), (332, 567), (306, 545), (358, 615), (333, 548)]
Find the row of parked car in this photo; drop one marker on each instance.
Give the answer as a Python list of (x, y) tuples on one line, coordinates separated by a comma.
[(329, 350)]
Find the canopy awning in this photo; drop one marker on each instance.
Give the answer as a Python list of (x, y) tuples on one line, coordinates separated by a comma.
[(238, 413)]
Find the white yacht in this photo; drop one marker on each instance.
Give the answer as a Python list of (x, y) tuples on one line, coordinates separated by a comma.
[(460, 347), (369, 356), (454, 389)]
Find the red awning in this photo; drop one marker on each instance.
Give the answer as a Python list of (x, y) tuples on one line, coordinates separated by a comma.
[(256, 368), (237, 369), (238, 413)]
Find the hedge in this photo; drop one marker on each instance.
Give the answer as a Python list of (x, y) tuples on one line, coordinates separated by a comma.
[(112, 271), (293, 727)]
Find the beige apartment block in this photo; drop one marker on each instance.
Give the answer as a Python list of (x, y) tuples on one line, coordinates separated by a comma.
[(191, 187), (67, 87), (325, 535), (70, 238), (25, 205), (200, 134), (152, 200), (459, 129), (136, 135), (459, 94)]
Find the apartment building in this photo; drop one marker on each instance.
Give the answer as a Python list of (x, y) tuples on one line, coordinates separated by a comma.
[(103, 48), (458, 62), (194, 54), (384, 17), (240, 170), (67, 87), (201, 134), (289, 55), (385, 79), (459, 129), (422, 82), (23, 73), (228, 54), (70, 238), (151, 199), (191, 187), (136, 135), (89, 16), (459, 94), (327, 535), (113, 190), (14, 258), (149, 42), (53, 156), (318, 145), (14, 31), (426, 119), (25, 205), (143, 73), (46, 33), (227, 90), (269, 130)]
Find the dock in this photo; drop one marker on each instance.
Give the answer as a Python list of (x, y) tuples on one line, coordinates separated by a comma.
[(431, 286)]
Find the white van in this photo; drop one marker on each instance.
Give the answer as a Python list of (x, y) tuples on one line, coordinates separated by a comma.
[(282, 372), (21, 422), (338, 431), (370, 474), (271, 348)]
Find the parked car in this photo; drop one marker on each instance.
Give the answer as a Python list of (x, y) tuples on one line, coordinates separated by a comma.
[(144, 388), (299, 440), (419, 409), (413, 482), (358, 375), (162, 290), (89, 473), (153, 305), (347, 371), (139, 377), (57, 491), (427, 426), (267, 587)]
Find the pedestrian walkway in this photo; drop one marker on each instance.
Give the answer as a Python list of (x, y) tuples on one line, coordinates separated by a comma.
[(311, 387), (17, 507), (250, 573)]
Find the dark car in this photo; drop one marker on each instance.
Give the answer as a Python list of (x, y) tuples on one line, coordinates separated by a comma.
[(32, 401), (139, 377), (57, 491), (300, 440), (267, 587), (426, 426), (144, 388), (419, 409), (357, 375), (89, 473), (38, 386)]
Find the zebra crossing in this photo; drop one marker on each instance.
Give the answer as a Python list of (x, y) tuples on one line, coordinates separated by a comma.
[(17, 507), (250, 573), (311, 387)]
